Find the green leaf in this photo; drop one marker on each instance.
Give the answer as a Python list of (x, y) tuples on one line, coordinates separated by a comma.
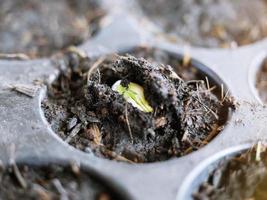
[(133, 94)]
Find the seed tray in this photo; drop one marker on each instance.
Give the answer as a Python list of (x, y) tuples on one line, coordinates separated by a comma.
[(23, 124)]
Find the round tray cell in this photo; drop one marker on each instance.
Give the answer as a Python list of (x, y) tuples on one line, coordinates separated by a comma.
[(210, 23), (261, 81), (145, 105), (40, 28), (237, 173), (54, 181)]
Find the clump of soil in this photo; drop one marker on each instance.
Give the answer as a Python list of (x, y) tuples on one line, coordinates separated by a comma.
[(84, 110), (210, 23), (40, 28), (51, 182), (182, 66), (242, 177), (261, 83)]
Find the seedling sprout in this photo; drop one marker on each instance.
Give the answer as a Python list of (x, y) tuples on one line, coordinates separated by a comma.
[(133, 94)]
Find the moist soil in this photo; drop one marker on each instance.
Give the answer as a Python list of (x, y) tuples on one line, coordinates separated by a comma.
[(40, 28), (210, 23), (85, 112), (261, 83), (242, 177), (52, 182)]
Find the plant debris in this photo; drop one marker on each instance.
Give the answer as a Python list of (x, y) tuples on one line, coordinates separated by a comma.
[(28, 90), (185, 113), (51, 182), (40, 28), (241, 177), (210, 23), (10, 56)]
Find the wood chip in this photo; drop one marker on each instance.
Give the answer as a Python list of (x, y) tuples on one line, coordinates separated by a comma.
[(159, 122), (213, 133), (60, 189), (75, 167), (93, 133), (15, 168), (79, 52), (71, 123), (258, 151), (18, 176), (187, 56), (74, 132), (42, 193), (114, 155)]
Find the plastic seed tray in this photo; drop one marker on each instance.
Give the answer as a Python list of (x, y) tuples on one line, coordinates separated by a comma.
[(23, 124)]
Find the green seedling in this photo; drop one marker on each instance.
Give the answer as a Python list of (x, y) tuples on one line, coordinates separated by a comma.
[(133, 94)]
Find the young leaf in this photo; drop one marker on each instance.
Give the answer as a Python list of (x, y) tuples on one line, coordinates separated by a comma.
[(133, 94)]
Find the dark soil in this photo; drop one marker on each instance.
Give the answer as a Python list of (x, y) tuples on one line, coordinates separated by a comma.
[(89, 115), (242, 177), (210, 23), (182, 66), (51, 182), (40, 28), (261, 83)]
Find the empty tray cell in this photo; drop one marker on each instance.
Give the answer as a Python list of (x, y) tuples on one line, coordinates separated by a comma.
[(210, 23), (40, 28), (128, 108)]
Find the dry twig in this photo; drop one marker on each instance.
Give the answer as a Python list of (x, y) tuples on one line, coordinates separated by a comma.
[(94, 67), (128, 124)]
